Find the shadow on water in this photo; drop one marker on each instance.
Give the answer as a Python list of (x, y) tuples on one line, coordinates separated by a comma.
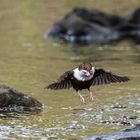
[(15, 115), (19, 111), (110, 52)]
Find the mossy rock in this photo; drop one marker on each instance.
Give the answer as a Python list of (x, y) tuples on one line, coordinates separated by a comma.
[(12, 100)]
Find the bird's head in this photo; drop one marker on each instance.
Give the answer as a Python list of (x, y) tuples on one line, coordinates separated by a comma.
[(86, 69)]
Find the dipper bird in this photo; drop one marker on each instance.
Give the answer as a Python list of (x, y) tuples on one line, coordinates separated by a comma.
[(83, 77)]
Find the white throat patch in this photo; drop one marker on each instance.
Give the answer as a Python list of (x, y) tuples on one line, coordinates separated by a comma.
[(79, 75)]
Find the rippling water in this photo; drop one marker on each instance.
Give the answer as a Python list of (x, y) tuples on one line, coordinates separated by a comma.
[(29, 62)]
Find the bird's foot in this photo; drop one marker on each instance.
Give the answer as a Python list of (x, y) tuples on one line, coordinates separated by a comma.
[(92, 97), (82, 99)]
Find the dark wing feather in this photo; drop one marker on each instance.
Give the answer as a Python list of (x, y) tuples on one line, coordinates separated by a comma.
[(63, 82), (103, 77)]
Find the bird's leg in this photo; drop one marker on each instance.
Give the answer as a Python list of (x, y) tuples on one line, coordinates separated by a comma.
[(91, 96), (81, 97)]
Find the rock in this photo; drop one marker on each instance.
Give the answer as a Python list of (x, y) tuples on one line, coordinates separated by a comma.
[(86, 26), (14, 101), (128, 134), (133, 26)]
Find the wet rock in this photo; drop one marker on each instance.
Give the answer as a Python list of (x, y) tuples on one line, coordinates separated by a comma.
[(130, 117), (86, 26), (14, 101), (118, 106), (117, 122), (128, 134), (133, 26)]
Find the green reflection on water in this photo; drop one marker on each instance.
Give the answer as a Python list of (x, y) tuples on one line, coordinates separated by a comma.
[(29, 62)]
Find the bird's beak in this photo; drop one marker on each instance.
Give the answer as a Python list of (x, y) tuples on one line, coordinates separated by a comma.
[(87, 73)]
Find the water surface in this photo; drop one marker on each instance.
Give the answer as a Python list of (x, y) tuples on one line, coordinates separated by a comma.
[(28, 62)]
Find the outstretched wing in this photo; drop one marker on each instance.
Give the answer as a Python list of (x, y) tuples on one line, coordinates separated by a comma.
[(63, 82), (103, 77)]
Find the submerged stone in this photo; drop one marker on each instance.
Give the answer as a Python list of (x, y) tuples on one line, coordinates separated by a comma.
[(86, 26), (128, 134), (14, 101)]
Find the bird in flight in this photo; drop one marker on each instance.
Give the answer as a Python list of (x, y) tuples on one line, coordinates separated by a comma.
[(83, 77)]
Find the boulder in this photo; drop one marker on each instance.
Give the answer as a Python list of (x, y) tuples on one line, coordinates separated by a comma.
[(128, 134), (86, 26), (132, 28), (14, 101)]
